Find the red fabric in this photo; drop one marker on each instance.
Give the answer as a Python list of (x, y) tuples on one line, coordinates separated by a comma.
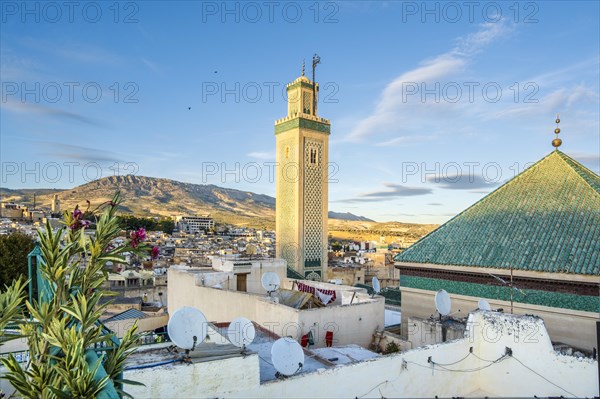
[(327, 292), (329, 338), (304, 340), (306, 288), (311, 290)]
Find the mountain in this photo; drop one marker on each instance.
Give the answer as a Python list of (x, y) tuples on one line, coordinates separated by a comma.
[(348, 216), (150, 196)]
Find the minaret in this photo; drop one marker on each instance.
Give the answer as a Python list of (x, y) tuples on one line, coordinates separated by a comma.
[(302, 147), (55, 204)]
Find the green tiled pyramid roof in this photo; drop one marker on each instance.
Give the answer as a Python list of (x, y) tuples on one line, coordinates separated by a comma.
[(545, 219)]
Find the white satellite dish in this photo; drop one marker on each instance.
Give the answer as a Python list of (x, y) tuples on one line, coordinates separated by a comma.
[(241, 332), (287, 356), (443, 303), (270, 282), (483, 305), (187, 327), (376, 285)]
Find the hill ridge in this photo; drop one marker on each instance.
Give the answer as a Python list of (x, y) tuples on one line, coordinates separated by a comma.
[(158, 196)]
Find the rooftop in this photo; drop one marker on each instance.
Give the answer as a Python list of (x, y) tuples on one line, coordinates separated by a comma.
[(217, 347), (545, 219)]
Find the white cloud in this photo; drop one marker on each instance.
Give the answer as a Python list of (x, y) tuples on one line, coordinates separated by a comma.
[(151, 65), (265, 156), (392, 108), (405, 140), (43, 110)]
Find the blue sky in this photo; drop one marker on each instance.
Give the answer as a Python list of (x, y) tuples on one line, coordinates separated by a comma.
[(432, 105)]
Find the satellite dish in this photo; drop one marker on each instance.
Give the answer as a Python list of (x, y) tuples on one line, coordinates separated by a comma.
[(484, 305), (270, 282), (376, 285), (443, 303), (287, 356), (187, 327), (241, 332)]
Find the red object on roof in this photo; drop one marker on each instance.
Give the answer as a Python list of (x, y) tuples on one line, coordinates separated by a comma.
[(329, 338)]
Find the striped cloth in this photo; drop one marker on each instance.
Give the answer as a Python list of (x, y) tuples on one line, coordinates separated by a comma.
[(320, 293)]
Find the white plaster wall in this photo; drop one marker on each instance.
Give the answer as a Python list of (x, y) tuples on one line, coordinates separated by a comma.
[(216, 304), (351, 324), (406, 374), (226, 280), (530, 344), (235, 375), (258, 268), (572, 327), (254, 283)]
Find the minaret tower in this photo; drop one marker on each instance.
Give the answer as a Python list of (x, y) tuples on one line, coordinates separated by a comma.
[(302, 147), (55, 204)]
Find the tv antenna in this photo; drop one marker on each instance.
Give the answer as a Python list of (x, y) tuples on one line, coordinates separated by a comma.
[(376, 286), (443, 303), (316, 60), (241, 332), (484, 305), (270, 282), (511, 286), (187, 328), (287, 356)]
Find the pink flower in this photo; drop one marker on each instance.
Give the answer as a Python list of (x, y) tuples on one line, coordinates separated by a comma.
[(137, 237), (154, 252), (77, 214), (141, 233), (77, 222)]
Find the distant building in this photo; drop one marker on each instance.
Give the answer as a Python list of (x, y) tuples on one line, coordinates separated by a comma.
[(55, 204), (34, 216), (302, 147), (11, 210), (194, 224)]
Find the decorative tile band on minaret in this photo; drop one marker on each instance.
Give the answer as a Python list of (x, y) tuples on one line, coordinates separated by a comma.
[(302, 148)]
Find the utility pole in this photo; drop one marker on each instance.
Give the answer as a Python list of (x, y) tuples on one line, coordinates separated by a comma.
[(598, 352), (511, 289)]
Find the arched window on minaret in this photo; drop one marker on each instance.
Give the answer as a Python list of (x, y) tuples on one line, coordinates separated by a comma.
[(313, 156), (306, 102)]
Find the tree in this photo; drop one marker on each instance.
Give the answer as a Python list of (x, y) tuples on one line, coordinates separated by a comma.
[(64, 329), (14, 249), (166, 225), (131, 222)]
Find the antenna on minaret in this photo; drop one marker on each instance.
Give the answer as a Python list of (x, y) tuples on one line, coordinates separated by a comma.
[(303, 66), (315, 61)]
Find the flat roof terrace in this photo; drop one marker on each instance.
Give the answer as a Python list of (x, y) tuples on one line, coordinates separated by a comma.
[(216, 348)]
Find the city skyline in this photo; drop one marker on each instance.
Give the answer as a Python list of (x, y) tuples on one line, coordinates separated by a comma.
[(431, 108)]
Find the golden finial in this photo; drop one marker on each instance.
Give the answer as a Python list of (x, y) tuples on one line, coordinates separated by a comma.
[(557, 142), (303, 66)]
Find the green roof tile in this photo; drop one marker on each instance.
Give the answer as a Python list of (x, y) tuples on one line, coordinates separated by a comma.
[(545, 219), (536, 297), (291, 273)]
